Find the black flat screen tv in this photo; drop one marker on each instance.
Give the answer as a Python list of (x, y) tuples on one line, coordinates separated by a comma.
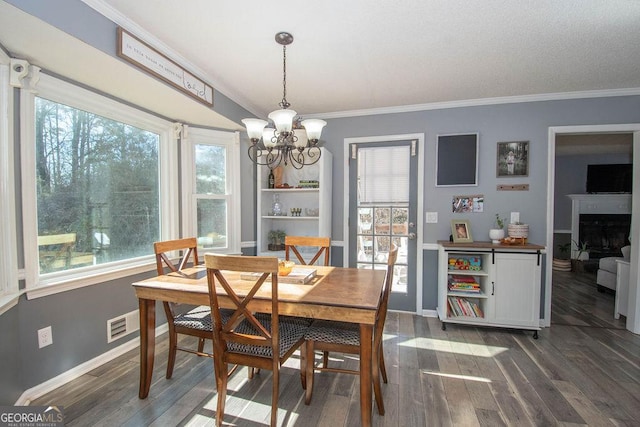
[(610, 178)]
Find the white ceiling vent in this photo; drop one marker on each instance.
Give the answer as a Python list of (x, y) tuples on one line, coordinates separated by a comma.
[(123, 325)]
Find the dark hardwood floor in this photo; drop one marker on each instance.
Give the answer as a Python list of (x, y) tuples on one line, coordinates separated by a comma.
[(577, 302), (583, 370)]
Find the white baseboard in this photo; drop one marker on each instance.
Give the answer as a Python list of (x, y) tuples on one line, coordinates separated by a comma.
[(425, 313), (41, 389)]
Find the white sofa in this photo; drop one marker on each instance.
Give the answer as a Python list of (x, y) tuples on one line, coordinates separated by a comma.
[(607, 268)]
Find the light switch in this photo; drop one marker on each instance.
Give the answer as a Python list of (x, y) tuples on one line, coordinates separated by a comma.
[(431, 217)]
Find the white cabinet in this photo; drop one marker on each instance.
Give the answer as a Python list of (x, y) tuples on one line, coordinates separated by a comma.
[(622, 288), (314, 204), (489, 285)]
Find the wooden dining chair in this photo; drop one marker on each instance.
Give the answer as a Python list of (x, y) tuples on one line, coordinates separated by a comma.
[(294, 243), (195, 322), (344, 337), (258, 340)]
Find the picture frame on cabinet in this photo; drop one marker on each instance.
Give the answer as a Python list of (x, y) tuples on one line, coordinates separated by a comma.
[(461, 231), (512, 159)]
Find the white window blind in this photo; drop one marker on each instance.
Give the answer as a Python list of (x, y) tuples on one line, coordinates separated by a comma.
[(384, 175)]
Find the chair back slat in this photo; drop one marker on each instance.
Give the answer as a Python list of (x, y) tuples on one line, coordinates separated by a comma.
[(386, 289), (292, 243), (188, 246), (225, 330)]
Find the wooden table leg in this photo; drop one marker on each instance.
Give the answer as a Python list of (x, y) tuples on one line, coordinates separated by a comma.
[(147, 344), (366, 352)]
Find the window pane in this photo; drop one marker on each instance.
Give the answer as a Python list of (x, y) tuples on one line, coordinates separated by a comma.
[(97, 188), (212, 223), (210, 169)]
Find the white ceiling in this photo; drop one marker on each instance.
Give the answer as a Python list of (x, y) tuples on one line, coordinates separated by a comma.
[(365, 54), (353, 56)]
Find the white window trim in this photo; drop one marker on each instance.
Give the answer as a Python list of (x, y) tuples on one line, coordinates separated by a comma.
[(69, 94), (190, 138), (9, 289)]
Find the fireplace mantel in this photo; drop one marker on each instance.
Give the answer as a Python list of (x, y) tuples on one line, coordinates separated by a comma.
[(596, 204)]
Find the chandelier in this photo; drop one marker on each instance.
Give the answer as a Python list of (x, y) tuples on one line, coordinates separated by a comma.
[(287, 139)]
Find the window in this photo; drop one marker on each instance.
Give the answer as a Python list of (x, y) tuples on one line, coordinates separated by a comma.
[(97, 174), (211, 188)]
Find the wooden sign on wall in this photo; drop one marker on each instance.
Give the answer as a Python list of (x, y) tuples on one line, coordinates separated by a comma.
[(143, 56)]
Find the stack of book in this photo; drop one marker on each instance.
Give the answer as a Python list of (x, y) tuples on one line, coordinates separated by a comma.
[(309, 183), (463, 307), (465, 284)]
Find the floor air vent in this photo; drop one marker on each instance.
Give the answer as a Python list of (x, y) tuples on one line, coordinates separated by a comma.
[(122, 325)]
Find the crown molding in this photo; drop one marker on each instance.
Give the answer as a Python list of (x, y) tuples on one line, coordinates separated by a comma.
[(479, 102)]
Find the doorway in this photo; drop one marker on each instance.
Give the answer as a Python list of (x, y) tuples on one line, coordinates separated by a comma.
[(561, 139), (382, 207)]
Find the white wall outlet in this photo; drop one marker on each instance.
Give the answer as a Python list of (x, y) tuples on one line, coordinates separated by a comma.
[(515, 217), (431, 217), (45, 337)]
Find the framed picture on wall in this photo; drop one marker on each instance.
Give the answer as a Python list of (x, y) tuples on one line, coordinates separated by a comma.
[(512, 159), (461, 231), (457, 160)]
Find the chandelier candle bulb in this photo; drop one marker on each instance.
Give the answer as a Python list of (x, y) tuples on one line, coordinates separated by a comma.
[(283, 119), (254, 127), (314, 128)]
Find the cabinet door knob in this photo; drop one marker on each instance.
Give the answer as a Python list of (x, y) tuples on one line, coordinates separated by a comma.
[(493, 287)]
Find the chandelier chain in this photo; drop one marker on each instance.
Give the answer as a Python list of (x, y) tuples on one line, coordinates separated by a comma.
[(284, 103)]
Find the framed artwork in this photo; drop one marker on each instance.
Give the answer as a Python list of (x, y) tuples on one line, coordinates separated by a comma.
[(138, 53), (513, 159), (461, 231), (457, 160), (467, 204)]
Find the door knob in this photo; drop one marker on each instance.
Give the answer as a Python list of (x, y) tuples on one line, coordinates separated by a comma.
[(412, 236)]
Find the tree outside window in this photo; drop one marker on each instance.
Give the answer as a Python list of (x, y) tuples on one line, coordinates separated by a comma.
[(97, 188)]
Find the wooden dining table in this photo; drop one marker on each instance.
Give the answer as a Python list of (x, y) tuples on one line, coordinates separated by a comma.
[(335, 293)]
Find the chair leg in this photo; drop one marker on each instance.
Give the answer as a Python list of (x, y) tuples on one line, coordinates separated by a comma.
[(303, 365), (377, 389), (309, 370), (221, 388), (383, 369), (325, 359), (201, 345), (173, 348), (274, 396)]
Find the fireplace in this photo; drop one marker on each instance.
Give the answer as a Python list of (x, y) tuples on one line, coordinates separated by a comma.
[(605, 234), (603, 221)]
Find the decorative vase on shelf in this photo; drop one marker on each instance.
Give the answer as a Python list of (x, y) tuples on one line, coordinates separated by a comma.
[(519, 231), (496, 234), (276, 207)]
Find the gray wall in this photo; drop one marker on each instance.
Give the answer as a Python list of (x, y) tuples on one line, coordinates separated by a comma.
[(494, 123), (11, 386), (79, 317)]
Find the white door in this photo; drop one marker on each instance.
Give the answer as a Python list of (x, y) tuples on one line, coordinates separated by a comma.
[(515, 289), (383, 210)]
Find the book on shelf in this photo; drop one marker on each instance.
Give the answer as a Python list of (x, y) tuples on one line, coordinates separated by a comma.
[(465, 284), (460, 306)]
